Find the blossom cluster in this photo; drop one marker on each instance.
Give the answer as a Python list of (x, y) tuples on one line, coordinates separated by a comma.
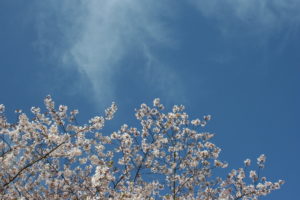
[(168, 156)]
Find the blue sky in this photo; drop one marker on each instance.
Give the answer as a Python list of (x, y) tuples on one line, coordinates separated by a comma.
[(234, 59)]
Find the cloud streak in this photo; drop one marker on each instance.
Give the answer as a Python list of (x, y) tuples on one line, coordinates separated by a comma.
[(258, 16), (100, 34)]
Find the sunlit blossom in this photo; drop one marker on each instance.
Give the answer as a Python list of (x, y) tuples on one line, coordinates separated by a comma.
[(166, 157)]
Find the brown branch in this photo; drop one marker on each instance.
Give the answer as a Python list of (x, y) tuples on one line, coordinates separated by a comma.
[(32, 163)]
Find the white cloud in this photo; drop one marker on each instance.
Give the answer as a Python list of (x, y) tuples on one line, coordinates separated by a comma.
[(96, 36), (99, 34), (258, 16)]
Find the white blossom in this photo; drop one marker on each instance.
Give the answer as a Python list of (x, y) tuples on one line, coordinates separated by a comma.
[(2, 108), (166, 157), (247, 162)]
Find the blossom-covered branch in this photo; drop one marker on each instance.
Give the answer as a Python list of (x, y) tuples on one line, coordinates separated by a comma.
[(168, 156)]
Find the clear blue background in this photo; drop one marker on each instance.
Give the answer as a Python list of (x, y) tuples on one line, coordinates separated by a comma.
[(236, 60)]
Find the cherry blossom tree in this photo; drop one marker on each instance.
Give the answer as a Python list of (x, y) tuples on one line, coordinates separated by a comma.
[(167, 157)]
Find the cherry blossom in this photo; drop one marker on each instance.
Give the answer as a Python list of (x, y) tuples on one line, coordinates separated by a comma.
[(48, 155)]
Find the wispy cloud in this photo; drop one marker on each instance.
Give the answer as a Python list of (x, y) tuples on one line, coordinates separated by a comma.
[(258, 16), (96, 36), (99, 34)]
